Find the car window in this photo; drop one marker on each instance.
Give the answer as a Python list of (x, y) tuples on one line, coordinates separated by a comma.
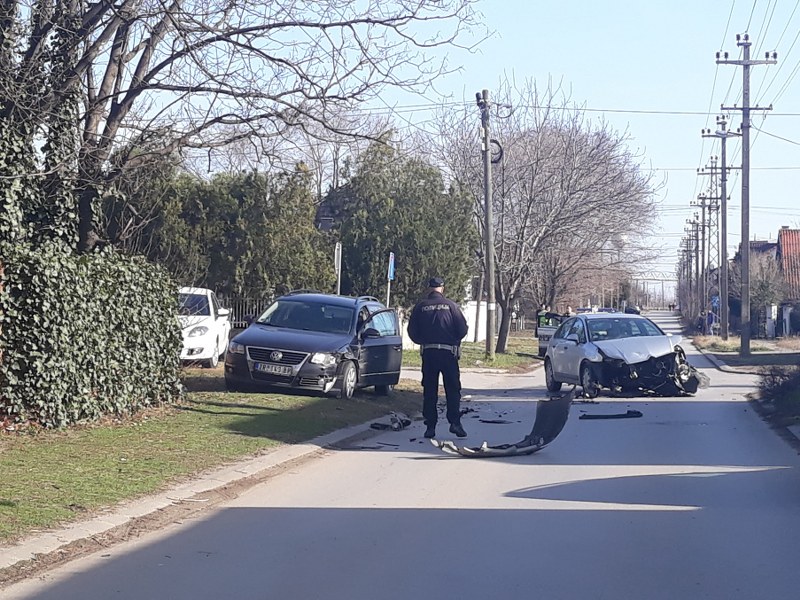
[(363, 317), (562, 331), (645, 327), (194, 305), (308, 316), (579, 330), (601, 330), (384, 322)]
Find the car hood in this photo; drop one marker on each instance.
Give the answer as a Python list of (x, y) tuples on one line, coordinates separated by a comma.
[(189, 321), (639, 349), (292, 339)]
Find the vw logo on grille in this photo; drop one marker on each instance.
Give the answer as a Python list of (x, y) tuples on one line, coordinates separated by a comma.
[(275, 356)]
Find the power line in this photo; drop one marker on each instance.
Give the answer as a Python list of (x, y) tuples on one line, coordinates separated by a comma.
[(776, 136)]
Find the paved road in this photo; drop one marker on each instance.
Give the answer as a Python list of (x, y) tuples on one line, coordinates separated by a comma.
[(696, 499)]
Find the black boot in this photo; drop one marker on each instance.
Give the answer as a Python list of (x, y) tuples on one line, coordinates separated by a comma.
[(458, 430), (430, 431)]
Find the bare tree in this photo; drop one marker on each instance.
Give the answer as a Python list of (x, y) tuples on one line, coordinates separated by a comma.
[(566, 188), (203, 74)]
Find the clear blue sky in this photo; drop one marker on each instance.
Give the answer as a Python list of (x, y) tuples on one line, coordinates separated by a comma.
[(659, 56)]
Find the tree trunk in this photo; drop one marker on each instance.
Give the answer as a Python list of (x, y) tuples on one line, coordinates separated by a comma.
[(87, 237), (505, 327)]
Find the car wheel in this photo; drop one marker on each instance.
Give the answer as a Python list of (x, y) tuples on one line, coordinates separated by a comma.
[(549, 378), (348, 379), (383, 390), (589, 383), (212, 362)]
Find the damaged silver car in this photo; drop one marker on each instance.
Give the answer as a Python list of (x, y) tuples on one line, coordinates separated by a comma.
[(625, 353)]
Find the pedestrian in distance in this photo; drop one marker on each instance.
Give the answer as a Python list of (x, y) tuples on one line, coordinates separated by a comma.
[(438, 326)]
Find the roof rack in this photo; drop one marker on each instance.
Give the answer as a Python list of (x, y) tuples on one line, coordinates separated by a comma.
[(373, 298), (302, 291)]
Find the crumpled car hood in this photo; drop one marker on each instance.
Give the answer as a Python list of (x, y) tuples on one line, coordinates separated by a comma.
[(639, 349)]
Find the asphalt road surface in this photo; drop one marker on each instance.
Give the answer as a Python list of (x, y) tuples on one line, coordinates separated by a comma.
[(698, 498)]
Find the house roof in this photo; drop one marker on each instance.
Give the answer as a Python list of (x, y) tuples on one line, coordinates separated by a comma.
[(789, 256)]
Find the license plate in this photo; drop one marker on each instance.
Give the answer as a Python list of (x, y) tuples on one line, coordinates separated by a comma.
[(273, 369)]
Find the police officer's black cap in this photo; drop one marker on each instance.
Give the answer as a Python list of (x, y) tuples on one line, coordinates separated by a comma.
[(435, 282)]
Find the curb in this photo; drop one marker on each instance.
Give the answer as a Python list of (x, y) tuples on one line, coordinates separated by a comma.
[(791, 433), (722, 366), (49, 542)]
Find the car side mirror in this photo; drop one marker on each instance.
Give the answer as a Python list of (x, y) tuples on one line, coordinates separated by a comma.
[(223, 312), (370, 332), (572, 337), (249, 319)]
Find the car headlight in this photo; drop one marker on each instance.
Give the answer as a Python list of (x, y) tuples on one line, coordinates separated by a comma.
[(198, 331), (236, 348), (323, 358)]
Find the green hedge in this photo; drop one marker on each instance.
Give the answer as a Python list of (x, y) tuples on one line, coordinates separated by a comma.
[(82, 336)]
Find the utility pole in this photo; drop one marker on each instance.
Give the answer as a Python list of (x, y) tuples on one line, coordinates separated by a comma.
[(723, 134), (743, 41), (708, 224), (483, 103)]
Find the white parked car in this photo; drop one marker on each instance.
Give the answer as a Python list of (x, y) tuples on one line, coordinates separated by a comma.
[(205, 326)]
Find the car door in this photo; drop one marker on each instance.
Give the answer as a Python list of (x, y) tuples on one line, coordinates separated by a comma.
[(222, 323), (381, 349), (575, 353), (559, 346)]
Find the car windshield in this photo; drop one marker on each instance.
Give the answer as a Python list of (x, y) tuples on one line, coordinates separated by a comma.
[(308, 316), (618, 328), (194, 305)]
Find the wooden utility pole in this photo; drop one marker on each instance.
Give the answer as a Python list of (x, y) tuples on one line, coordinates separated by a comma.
[(491, 312), (743, 41)]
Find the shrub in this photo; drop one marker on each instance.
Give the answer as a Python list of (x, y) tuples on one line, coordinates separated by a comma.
[(781, 385), (794, 318), (82, 336)]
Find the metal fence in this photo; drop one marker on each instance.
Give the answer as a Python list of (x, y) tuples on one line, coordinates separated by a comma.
[(242, 309)]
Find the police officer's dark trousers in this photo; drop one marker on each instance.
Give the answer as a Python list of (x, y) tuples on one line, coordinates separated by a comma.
[(435, 361)]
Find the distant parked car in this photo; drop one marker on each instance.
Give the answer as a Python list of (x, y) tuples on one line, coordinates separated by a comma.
[(546, 325), (318, 342), (632, 310), (205, 326), (625, 353)]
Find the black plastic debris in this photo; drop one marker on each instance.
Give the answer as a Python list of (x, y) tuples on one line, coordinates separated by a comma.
[(630, 414)]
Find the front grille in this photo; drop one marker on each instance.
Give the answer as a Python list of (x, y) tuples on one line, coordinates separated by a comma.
[(270, 378), (288, 357)]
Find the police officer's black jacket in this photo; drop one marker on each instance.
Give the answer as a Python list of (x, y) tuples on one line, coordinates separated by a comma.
[(437, 320)]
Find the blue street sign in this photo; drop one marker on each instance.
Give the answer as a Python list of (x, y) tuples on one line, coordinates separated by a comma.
[(390, 273)]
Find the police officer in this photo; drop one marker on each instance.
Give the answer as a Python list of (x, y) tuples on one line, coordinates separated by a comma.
[(438, 326)]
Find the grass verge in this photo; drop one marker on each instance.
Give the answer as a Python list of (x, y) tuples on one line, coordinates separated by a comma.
[(53, 477), (522, 354)]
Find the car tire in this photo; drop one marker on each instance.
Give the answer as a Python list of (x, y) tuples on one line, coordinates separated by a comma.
[(589, 383), (212, 362), (384, 390), (549, 378), (348, 378)]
